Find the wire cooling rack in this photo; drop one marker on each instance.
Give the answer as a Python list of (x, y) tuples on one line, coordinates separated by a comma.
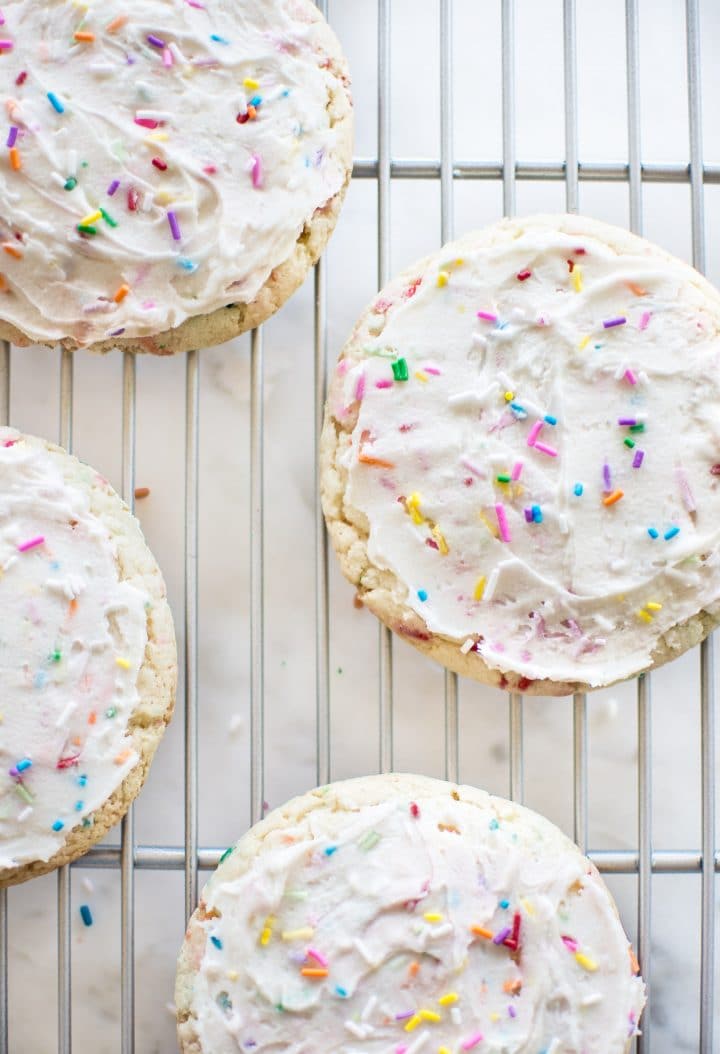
[(390, 178)]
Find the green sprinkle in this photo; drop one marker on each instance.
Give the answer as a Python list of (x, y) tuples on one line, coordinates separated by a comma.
[(24, 793), (637, 428), (56, 656), (70, 183), (503, 478), (629, 442), (108, 218), (86, 228), (227, 852), (110, 712), (369, 841), (400, 370)]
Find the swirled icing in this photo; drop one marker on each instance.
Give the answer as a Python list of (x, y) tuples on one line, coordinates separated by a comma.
[(408, 917), (72, 640), (544, 485), (124, 119)]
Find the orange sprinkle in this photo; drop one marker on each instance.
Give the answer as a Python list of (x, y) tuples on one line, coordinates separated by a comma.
[(77, 741), (634, 964), (122, 757), (480, 931), (12, 250), (121, 293), (84, 37), (636, 289), (73, 606), (367, 460), (610, 499), (3, 283), (117, 23), (251, 112), (512, 987), (313, 971), (92, 717), (15, 160), (142, 492), (414, 969)]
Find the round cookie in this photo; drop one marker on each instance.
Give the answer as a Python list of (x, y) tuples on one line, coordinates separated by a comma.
[(87, 657), (521, 455), (401, 913), (171, 172)]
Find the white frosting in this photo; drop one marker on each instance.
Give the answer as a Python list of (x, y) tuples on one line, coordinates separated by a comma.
[(241, 193), (586, 594), (72, 640), (384, 897)]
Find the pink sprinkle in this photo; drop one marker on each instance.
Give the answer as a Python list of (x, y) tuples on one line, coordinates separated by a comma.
[(196, 3), (257, 172), (687, 495), (167, 57), (31, 543), (2, 19), (400, 1048), (570, 943), (517, 469), (534, 433), (317, 956), (146, 122), (360, 387), (383, 384), (209, 170), (6, 45), (502, 522), (471, 1041), (434, 370), (414, 809), (487, 316), (471, 467), (545, 449), (644, 319), (630, 377)]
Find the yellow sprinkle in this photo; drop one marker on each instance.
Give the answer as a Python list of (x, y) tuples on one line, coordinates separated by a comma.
[(459, 262), (413, 507), (412, 1023), (250, 84), (440, 539), (527, 905), (156, 137), (495, 1016), (479, 588), (164, 197), (421, 375), (433, 916), (587, 964), (267, 931), (652, 605), (492, 527), (577, 279), (442, 279), (430, 1015), (644, 615), (443, 1050), (304, 934), (584, 342), (448, 999), (92, 218), (232, 975), (509, 396), (125, 663)]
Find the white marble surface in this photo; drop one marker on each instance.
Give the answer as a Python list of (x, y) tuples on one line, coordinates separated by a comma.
[(224, 663)]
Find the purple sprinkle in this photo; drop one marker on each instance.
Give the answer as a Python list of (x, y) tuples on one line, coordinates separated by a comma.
[(174, 225), (113, 187), (609, 323), (512, 1011), (638, 459), (12, 136), (502, 935), (155, 41), (529, 515), (607, 479), (117, 332), (627, 421), (405, 1015)]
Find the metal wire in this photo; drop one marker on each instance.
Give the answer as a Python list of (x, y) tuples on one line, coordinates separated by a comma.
[(257, 664), (538, 171), (192, 452), (4, 961)]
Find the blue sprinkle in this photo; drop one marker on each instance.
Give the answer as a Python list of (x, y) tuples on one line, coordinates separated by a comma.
[(494, 824), (40, 679), (25, 763), (218, 39), (504, 904), (55, 102), (550, 419), (330, 850), (537, 514), (577, 490), (86, 915), (256, 101), (422, 595), (284, 94), (82, 780), (216, 941), (187, 265), (58, 825), (55, 565), (79, 805), (653, 532), (518, 409), (671, 533), (342, 992)]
